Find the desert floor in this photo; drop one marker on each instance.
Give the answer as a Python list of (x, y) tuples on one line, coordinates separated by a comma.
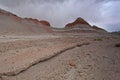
[(83, 56)]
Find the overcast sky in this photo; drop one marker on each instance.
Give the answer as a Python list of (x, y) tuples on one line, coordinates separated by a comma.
[(103, 13)]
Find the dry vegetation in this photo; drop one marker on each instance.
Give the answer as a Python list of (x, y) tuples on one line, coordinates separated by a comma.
[(117, 45)]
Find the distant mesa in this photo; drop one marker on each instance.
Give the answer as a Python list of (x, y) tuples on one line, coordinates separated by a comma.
[(45, 23), (78, 21)]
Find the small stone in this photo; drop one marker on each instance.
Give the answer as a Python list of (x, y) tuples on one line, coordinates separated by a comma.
[(72, 63)]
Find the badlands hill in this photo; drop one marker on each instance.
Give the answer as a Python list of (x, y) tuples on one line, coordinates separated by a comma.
[(80, 25), (12, 24), (78, 21)]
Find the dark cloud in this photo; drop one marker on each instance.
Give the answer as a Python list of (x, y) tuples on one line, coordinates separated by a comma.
[(59, 12)]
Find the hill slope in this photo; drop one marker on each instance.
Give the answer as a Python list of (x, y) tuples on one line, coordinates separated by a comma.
[(12, 24)]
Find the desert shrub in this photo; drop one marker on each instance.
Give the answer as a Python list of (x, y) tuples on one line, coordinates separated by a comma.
[(98, 39), (117, 45)]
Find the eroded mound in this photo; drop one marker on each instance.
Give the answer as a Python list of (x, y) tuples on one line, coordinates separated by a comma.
[(76, 22)]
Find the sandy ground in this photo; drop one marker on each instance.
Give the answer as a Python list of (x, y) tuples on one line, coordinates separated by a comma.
[(85, 56)]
